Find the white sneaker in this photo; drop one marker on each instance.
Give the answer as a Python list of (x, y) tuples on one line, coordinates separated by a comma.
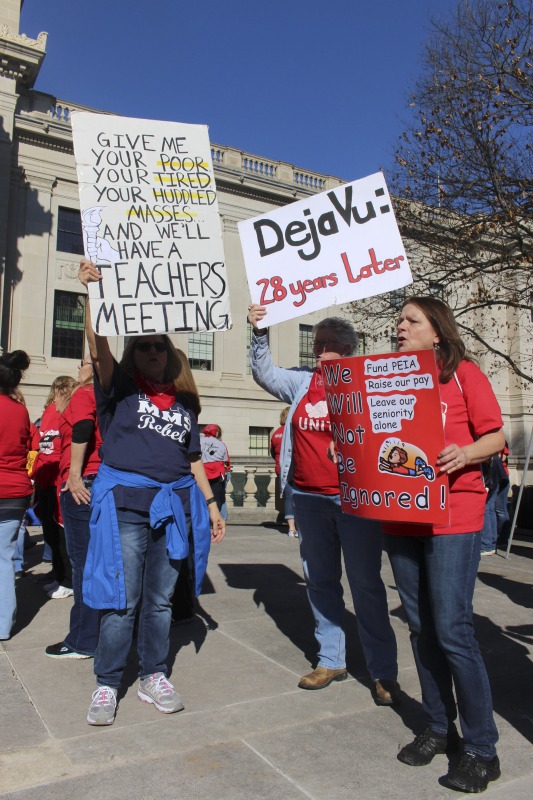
[(158, 690), (60, 593), (103, 706)]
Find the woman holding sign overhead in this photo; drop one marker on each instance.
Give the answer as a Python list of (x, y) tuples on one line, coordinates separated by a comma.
[(150, 494), (325, 532), (435, 567)]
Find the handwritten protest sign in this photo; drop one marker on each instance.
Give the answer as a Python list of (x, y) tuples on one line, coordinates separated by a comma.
[(386, 420), (332, 248), (150, 222)]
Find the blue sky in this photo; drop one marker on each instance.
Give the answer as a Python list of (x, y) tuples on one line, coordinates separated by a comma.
[(323, 85)]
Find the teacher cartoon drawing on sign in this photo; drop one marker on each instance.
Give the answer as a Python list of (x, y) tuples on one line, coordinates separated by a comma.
[(435, 566), (324, 531), (151, 501)]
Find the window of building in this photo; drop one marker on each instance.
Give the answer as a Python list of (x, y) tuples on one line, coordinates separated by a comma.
[(69, 234), (361, 344), (259, 441), (436, 289), (394, 344), (396, 298), (201, 346), (305, 346), (69, 325)]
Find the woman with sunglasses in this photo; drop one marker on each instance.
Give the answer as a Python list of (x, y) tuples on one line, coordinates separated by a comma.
[(78, 464), (150, 492), (324, 531)]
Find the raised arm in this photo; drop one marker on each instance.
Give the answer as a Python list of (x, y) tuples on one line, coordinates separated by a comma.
[(98, 345)]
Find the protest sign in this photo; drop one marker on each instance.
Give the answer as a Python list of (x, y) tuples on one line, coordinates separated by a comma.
[(332, 248), (150, 223), (386, 421)]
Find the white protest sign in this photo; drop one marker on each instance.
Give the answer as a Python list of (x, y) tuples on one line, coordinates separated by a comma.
[(332, 248), (150, 222)]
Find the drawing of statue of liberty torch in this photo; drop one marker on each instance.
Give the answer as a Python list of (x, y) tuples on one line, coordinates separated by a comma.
[(97, 248)]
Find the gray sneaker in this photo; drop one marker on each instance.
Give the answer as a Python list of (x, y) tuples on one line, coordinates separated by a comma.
[(158, 690), (103, 706)]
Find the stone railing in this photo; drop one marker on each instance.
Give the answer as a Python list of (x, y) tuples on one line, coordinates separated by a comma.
[(250, 491)]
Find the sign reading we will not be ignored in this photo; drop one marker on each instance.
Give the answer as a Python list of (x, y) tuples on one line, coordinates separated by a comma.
[(332, 248), (150, 223)]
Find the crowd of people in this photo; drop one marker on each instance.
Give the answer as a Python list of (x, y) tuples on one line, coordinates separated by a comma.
[(131, 497)]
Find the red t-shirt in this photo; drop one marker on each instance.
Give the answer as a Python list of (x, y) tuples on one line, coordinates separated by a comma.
[(14, 446), (469, 410), (275, 446), (46, 467), (311, 433), (82, 405)]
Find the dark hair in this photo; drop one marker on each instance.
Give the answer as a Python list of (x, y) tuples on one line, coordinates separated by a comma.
[(451, 348), (344, 331), (177, 369), (12, 366)]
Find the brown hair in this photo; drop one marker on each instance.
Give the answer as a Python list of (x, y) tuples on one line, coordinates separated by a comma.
[(177, 369), (451, 348), (283, 416), (63, 385), (402, 453)]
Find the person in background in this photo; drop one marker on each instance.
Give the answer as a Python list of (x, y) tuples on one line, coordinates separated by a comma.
[(78, 464), (435, 566), (287, 512), (216, 461), (325, 532), (45, 475), (503, 522), (15, 485), (150, 494)]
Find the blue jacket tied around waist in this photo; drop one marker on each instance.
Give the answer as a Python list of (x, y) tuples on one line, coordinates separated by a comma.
[(103, 577)]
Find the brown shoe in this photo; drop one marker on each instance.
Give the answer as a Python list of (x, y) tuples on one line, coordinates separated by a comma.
[(386, 692), (321, 677)]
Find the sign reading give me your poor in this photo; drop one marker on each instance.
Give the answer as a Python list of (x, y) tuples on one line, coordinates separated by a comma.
[(150, 223), (335, 247)]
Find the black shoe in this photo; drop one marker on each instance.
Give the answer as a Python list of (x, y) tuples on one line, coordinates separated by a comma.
[(62, 650), (472, 773), (427, 745)]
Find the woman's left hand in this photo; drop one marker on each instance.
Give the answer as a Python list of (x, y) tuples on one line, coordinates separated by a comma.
[(452, 458), (218, 526)]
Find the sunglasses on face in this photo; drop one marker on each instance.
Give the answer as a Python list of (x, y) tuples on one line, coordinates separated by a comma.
[(145, 347)]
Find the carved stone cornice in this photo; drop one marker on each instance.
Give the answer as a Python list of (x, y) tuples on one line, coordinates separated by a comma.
[(67, 270), (20, 56)]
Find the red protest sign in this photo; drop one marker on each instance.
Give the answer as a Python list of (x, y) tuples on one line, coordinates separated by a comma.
[(386, 421)]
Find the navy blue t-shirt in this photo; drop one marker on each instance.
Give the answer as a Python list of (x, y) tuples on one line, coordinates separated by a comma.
[(139, 437)]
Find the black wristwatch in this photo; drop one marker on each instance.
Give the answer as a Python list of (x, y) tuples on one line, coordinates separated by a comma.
[(211, 500)]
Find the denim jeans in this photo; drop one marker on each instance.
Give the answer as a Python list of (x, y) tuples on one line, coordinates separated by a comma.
[(18, 555), (435, 577), (12, 512), (503, 522), (489, 534), (324, 533), (148, 574), (84, 621), (288, 497)]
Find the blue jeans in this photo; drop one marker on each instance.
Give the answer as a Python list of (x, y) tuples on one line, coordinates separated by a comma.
[(489, 534), (18, 555), (288, 499), (503, 522), (84, 621), (325, 532), (12, 512), (435, 577), (148, 574)]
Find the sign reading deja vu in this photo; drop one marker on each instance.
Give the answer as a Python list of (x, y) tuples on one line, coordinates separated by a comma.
[(386, 420), (338, 246), (150, 223)]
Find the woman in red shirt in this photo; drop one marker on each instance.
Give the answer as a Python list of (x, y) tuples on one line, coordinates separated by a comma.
[(78, 465), (15, 485), (435, 567)]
